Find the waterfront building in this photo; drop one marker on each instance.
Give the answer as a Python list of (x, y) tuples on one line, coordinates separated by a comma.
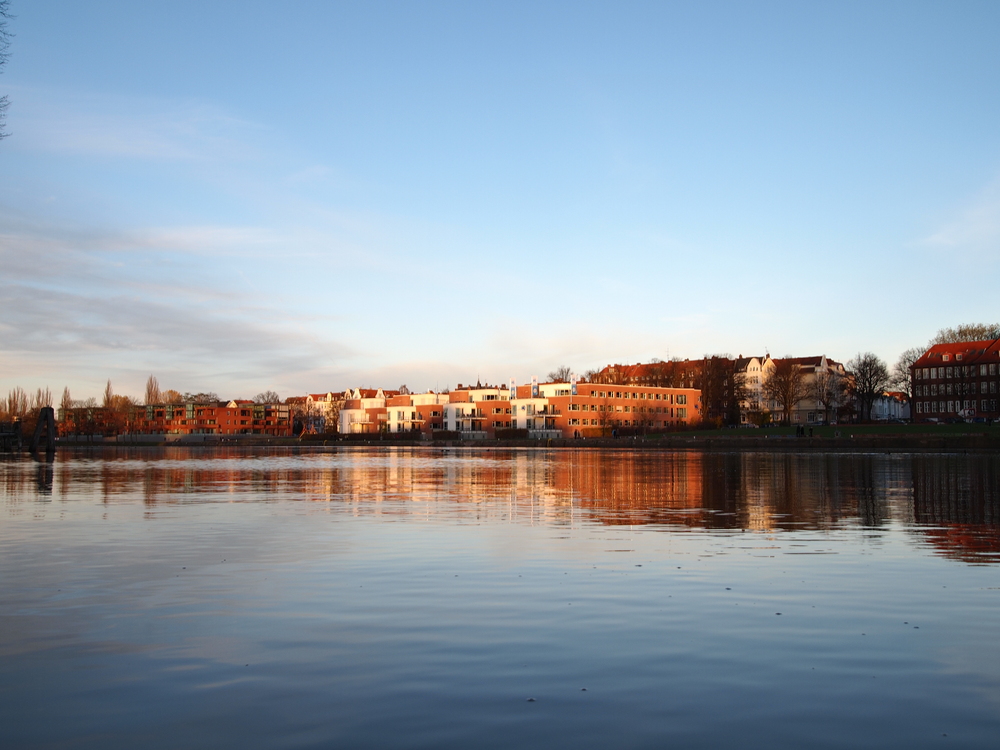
[(216, 418), (416, 412), (734, 391), (478, 411), (601, 410), (957, 381), (822, 379), (364, 411)]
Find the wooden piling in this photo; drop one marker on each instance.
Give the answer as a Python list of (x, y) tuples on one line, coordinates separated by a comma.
[(46, 422)]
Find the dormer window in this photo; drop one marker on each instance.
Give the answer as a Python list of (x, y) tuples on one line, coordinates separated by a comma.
[(958, 356), (945, 358)]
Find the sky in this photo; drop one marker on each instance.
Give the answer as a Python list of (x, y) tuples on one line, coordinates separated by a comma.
[(312, 196)]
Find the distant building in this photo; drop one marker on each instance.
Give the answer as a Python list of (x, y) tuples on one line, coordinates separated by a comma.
[(952, 381), (364, 411), (316, 413), (596, 409), (478, 411), (218, 418), (890, 406), (416, 412), (733, 390), (810, 409)]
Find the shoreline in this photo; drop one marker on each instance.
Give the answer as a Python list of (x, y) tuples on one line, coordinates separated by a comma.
[(846, 443)]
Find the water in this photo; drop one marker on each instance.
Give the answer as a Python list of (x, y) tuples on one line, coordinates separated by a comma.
[(420, 599)]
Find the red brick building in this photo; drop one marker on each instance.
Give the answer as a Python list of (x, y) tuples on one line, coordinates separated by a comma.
[(952, 381), (597, 409), (221, 418)]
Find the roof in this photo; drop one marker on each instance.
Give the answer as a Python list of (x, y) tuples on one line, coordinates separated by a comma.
[(802, 361), (967, 352)]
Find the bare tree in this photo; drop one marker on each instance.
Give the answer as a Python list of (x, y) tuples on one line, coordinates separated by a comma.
[(41, 399), (967, 332), (170, 396), (608, 420), (16, 406), (152, 391), (5, 37), (901, 376), (560, 375), (827, 388), (613, 375), (204, 397), (67, 401), (786, 385), (663, 374), (109, 395), (722, 390), (871, 378), (267, 397)]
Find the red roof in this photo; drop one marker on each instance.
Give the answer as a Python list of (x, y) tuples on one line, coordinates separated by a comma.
[(966, 352)]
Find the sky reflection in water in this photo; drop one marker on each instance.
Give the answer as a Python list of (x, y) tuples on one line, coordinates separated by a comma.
[(420, 598)]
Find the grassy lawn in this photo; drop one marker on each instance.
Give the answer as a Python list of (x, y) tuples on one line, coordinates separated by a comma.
[(846, 430)]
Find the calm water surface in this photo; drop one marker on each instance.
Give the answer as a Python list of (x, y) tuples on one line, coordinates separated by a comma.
[(422, 599)]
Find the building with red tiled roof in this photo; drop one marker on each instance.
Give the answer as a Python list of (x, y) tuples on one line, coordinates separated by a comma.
[(364, 410), (960, 380)]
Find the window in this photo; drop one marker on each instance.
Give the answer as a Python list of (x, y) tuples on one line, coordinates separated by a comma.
[(682, 398), (982, 369), (682, 413), (945, 358)]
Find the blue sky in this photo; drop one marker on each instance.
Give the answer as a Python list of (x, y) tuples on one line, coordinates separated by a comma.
[(314, 196)]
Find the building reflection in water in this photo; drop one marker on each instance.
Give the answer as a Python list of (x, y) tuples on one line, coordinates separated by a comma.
[(951, 501), (955, 505)]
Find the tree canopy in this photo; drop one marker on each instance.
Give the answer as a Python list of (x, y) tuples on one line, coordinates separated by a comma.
[(967, 332), (5, 37), (871, 378)]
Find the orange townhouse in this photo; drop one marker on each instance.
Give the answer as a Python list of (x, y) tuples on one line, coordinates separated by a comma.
[(600, 410)]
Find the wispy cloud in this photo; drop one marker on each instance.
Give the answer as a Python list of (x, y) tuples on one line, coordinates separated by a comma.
[(91, 124), (72, 307), (976, 228)]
